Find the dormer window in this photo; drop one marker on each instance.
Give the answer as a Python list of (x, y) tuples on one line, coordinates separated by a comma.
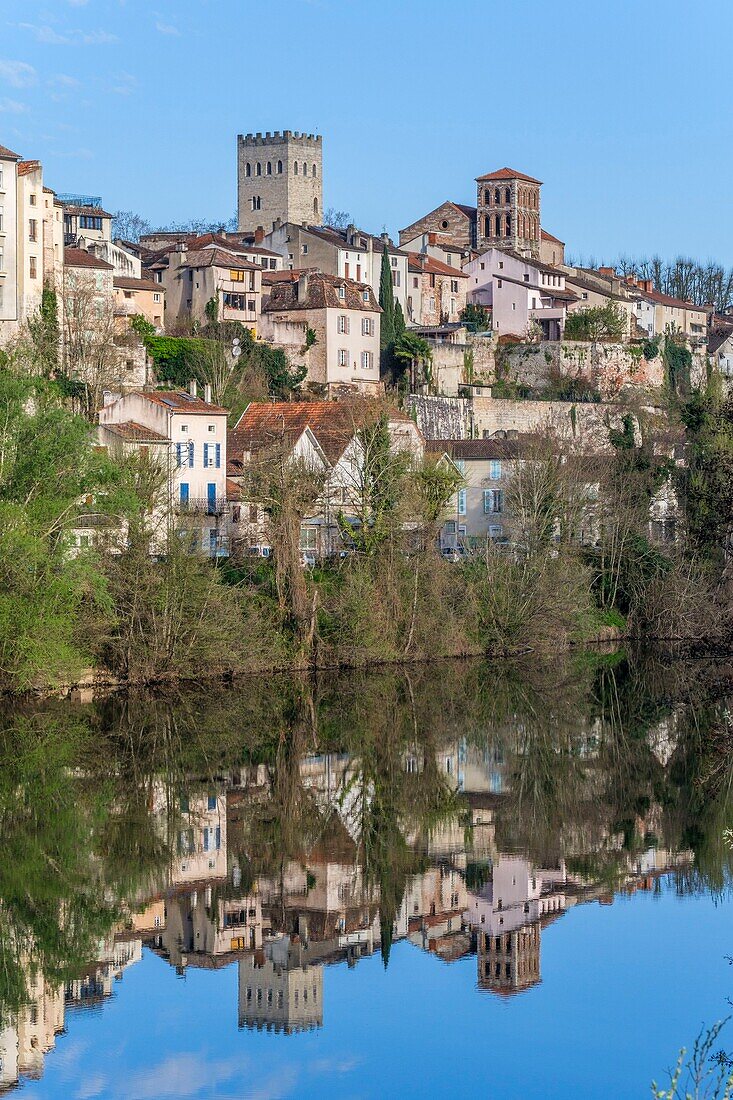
[(342, 291), (365, 295)]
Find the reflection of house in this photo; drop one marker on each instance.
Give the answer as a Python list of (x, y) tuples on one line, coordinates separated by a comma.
[(277, 993), (506, 914), (207, 924), (26, 1039)]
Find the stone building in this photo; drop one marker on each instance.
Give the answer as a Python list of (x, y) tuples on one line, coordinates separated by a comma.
[(343, 317), (508, 211), (279, 175), (436, 292), (454, 223)]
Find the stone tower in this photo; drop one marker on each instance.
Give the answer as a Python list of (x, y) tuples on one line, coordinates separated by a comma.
[(279, 175), (508, 212)]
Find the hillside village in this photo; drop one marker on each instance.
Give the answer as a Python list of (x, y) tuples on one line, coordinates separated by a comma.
[(470, 329)]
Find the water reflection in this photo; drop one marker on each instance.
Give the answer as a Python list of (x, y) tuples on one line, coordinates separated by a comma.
[(296, 826)]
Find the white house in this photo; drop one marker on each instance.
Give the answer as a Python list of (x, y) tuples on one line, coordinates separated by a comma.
[(520, 292), (192, 434)]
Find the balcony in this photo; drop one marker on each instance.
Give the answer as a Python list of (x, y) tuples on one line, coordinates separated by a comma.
[(202, 506)]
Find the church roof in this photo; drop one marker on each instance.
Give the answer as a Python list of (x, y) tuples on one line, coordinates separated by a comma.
[(507, 174)]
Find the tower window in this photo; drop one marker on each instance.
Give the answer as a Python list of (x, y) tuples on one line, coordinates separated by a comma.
[(256, 202), (487, 227), (507, 195), (269, 168), (315, 206), (497, 196), (259, 169), (305, 169), (279, 168), (497, 225), (248, 170), (314, 171), (508, 225), (295, 168)]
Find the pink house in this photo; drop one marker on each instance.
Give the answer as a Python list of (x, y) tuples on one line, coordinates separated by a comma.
[(520, 292)]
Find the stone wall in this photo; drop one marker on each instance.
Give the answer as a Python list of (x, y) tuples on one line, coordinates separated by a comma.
[(584, 423), (456, 364), (607, 367), (440, 417)]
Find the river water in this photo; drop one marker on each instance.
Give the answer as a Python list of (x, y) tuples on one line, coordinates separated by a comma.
[(468, 879)]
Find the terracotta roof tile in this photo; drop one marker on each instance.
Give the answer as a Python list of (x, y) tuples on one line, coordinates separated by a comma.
[(79, 257), (27, 166), (124, 282), (92, 211), (135, 433), (8, 154), (264, 425), (507, 174), (217, 257), (322, 292), (549, 237), (430, 266), (181, 401)]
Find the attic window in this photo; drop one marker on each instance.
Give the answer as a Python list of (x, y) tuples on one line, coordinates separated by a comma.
[(365, 295), (342, 291), (444, 225)]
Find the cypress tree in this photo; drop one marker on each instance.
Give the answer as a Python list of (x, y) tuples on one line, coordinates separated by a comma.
[(386, 301), (399, 320)]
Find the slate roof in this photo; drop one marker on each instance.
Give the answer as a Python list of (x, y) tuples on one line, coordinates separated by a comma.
[(507, 174), (79, 257), (322, 293)]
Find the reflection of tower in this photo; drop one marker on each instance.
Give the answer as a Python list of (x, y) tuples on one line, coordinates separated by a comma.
[(276, 997), (509, 962)]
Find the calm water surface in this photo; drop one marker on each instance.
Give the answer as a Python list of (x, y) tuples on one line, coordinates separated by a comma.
[(466, 880)]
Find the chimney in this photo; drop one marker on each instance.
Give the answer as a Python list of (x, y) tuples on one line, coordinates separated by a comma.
[(259, 235), (181, 246), (615, 284), (302, 293), (192, 387), (431, 238), (607, 271), (207, 393)]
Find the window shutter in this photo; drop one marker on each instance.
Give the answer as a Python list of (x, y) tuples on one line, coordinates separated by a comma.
[(179, 454), (218, 455), (184, 492), (190, 454), (487, 500), (206, 840), (206, 455)]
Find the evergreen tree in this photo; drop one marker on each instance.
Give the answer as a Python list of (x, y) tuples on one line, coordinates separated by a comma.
[(386, 301), (399, 320)]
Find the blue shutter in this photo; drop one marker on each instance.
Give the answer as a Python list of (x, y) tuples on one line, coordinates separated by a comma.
[(488, 501), (495, 470), (184, 492), (179, 454), (206, 456), (218, 456), (206, 840), (190, 454), (218, 837), (461, 502)]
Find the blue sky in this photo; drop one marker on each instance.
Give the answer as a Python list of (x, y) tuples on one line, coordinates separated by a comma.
[(623, 988), (622, 108)]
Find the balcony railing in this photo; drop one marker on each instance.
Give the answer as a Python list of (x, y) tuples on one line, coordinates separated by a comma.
[(203, 506)]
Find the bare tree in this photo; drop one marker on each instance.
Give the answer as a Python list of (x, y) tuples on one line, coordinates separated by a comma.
[(92, 352)]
